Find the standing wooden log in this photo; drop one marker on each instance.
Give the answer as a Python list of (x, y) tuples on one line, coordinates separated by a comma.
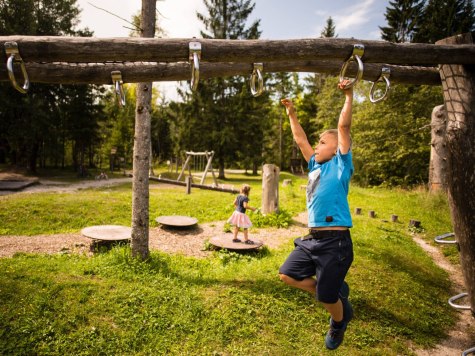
[(142, 139), (438, 151), (459, 95), (270, 188)]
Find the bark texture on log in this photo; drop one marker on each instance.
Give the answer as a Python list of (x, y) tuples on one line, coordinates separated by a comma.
[(270, 188), (142, 139), (135, 72), (438, 151), (92, 49), (458, 83)]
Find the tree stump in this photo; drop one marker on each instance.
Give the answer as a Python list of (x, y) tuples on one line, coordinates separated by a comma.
[(357, 211), (372, 214), (287, 182), (394, 218)]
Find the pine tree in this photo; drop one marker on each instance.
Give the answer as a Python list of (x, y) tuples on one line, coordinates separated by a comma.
[(445, 18), (329, 29), (403, 19)]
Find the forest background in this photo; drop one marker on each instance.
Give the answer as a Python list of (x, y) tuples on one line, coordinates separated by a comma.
[(74, 127)]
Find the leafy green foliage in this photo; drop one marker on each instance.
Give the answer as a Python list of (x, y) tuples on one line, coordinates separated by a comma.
[(280, 219), (391, 140)]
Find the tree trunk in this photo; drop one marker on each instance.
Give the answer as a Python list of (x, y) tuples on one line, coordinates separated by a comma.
[(270, 188), (459, 95), (140, 192), (438, 151)]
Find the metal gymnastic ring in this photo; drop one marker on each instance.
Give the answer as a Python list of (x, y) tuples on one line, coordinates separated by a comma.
[(385, 73), (118, 86), (257, 72), (11, 48), (441, 238), (358, 51), (195, 56), (469, 351), (458, 306)]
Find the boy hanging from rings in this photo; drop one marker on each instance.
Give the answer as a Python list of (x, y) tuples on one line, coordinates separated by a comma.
[(327, 251)]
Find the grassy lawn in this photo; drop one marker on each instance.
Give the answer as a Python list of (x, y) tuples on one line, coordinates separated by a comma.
[(227, 304)]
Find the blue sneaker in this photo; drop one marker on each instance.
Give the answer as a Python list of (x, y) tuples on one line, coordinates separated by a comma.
[(334, 336), (347, 308)]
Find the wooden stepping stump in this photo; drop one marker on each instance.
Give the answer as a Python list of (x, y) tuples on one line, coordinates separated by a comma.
[(107, 232), (177, 220), (226, 241)]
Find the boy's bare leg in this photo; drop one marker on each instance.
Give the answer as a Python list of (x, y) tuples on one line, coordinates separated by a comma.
[(309, 285), (335, 310)]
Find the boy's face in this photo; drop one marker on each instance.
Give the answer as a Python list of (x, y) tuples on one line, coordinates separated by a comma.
[(326, 148)]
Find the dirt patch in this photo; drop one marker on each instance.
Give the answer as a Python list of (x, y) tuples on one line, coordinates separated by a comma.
[(462, 336), (188, 242)]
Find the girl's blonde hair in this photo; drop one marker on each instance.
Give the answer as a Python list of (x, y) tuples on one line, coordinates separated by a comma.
[(245, 189)]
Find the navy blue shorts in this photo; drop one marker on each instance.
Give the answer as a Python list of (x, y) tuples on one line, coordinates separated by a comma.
[(327, 255)]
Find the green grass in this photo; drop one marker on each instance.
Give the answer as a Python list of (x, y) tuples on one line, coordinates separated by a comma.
[(226, 304)]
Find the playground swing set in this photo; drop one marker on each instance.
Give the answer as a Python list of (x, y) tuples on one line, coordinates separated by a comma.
[(134, 60)]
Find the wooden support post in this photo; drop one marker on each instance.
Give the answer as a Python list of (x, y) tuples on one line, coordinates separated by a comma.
[(438, 150), (394, 218), (458, 83), (372, 214), (142, 137), (357, 211), (270, 188), (188, 180)]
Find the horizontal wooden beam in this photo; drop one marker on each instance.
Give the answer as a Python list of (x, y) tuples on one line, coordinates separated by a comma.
[(92, 50), (100, 73)]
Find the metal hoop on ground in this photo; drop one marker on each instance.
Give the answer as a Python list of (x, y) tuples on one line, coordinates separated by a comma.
[(385, 73), (195, 56), (257, 72), (118, 86), (469, 351), (458, 306), (441, 238), (11, 48), (358, 52)]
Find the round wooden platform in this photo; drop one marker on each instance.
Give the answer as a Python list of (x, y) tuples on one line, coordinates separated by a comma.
[(226, 241), (107, 232), (177, 220)]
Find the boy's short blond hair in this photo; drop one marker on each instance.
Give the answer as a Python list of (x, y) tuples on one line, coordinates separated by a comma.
[(333, 132)]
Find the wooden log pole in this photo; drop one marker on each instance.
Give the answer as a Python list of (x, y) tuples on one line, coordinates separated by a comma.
[(458, 83), (270, 188), (438, 150), (93, 49), (134, 72), (142, 141)]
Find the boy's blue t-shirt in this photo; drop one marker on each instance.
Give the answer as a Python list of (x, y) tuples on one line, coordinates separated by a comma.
[(327, 191)]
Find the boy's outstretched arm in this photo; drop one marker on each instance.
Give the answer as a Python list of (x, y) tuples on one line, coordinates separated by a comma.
[(297, 131), (344, 122)]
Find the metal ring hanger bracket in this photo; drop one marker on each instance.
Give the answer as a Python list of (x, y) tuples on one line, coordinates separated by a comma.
[(385, 73), (358, 52), (195, 56), (257, 72), (11, 48), (118, 86)]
